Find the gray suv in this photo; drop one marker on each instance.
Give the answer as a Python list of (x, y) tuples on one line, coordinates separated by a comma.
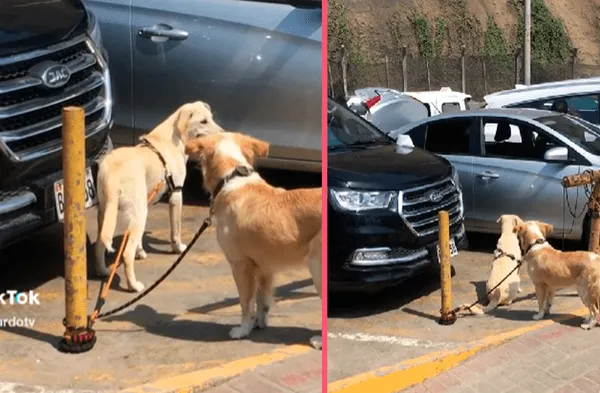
[(257, 63), (50, 56)]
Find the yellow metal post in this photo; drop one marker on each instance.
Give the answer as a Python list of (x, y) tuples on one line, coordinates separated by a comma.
[(74, 166), (448, 316)]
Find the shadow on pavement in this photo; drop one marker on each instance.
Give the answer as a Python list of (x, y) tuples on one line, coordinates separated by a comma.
[(165, 325), (282, 292)]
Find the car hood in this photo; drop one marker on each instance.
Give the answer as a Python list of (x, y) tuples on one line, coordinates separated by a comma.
[(31, 24), (385, 167)]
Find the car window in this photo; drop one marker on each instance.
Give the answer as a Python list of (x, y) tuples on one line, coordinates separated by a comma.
[(448, 136), (345, 128), (448, 107), (397, 114), (505, 138), (580, 132), (584, 106)]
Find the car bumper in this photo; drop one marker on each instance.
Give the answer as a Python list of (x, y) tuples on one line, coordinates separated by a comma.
[(400, 260), (28, 209)]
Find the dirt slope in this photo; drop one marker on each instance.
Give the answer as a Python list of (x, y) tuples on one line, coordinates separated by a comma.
[(580, 17)]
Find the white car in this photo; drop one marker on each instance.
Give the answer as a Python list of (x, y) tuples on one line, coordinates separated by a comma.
[(580, 95)]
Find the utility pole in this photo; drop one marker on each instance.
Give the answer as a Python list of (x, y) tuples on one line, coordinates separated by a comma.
[(527, 44)]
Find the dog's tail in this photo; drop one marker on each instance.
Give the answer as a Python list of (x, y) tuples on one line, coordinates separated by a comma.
[(108, 200), (475, 310)]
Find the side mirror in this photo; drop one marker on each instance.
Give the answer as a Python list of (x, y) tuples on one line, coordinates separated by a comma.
[(404, 141), (557, 154)]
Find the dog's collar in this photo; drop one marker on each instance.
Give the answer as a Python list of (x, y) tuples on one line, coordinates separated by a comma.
[(239, 171), (168, 177), (535, 243)]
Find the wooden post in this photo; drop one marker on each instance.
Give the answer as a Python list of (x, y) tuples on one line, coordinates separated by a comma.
[(573, 62), (330, 79), (589, 177), (517, 64), (387, 72), (403, 53), (463, 73), (344, 71)]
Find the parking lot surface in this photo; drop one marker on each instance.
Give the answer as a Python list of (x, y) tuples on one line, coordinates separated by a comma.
[(175, 337), (372, 336)]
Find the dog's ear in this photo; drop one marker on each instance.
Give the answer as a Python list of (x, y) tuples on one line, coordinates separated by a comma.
[(517, 220), (517, 228), (182, 120), (545, 228), (500, 219), (207, 107), (254, 148), (199, 147)]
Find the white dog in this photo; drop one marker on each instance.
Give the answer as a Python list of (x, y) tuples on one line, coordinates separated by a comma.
[(128, 174)]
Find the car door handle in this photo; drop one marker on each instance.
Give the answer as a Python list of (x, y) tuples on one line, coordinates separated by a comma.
[(488, 175), (163, 31)]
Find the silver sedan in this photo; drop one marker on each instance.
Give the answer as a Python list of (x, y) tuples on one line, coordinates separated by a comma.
[(512, 161)]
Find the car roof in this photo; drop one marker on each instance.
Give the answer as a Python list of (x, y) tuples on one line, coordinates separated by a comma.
[(423, 95), (541, 91)]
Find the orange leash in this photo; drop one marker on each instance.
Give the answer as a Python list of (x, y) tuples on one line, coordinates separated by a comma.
[(117, 261)]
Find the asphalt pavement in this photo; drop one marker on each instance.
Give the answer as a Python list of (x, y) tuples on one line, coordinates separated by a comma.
[(177, 336), (388, 341)]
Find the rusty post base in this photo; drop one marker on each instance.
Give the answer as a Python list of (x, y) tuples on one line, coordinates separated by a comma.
[(77, 340), (447, 319)]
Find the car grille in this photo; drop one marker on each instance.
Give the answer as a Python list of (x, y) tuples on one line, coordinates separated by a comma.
[(31, 114), (421, 214)]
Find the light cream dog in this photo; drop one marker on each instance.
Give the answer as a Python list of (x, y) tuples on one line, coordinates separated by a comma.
[(128, 174), (506, 258), (551, 269), (261, 229)]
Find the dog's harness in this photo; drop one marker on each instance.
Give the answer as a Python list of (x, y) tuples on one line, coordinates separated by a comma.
[(172, 188), (239, 171)]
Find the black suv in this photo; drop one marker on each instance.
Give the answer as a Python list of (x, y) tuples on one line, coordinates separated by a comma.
[(51, 56), (383, 204)]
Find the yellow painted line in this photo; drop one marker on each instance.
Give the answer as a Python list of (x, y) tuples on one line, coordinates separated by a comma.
[(389, 379), (182, 383)]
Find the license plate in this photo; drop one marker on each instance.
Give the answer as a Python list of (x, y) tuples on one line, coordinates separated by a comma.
[(453, 250), (91, 197)]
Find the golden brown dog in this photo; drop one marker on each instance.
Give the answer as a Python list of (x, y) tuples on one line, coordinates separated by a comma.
[(261, 229), (551, 269), (506, 257), (127, 174)]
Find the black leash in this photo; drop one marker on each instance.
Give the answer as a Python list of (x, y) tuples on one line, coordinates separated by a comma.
[(207, 222)]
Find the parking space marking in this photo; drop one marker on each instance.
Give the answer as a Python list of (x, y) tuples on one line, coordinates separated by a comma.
[(401, 341), (203, 377), (390, 379)]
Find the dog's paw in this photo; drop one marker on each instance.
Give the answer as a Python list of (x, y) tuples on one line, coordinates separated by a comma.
[(538, 316), (262, 321), (239, 332), (316, 342), (586, 326), (141, 254), (136, 287), (178, 248)]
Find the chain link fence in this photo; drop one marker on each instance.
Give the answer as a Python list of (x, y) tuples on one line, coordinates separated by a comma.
[(480, 75)]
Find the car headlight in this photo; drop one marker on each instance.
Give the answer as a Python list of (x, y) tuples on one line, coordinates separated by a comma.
[(362, 200), (94, 30), (456, 181)]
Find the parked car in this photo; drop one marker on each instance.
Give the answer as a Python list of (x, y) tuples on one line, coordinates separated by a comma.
[(518, 168), (383, 205), (51, 56), (581, 96), (257, 63), (442, 101)]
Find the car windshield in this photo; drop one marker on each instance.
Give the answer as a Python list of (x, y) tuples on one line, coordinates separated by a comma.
[(397, 114), (345, 128), (581, 132)]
